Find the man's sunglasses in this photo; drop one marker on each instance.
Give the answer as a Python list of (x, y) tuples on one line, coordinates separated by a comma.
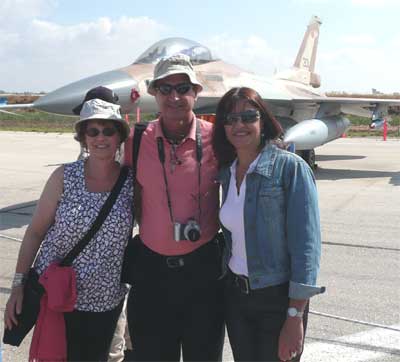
[(181, 88), (94, 132), (249, 116)]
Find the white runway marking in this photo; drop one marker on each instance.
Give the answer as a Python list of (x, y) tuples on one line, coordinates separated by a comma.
[(369, 345)]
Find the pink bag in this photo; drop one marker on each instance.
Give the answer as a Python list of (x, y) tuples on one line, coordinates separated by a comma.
[(49, 342)]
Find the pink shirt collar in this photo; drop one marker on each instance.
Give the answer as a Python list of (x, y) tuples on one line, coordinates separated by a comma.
[(192, 132)]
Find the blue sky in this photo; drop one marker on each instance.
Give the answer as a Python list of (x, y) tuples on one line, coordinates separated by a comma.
[(45, 44)]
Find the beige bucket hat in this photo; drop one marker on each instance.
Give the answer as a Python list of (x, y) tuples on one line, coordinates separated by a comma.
[(99, 109), (175, 64)]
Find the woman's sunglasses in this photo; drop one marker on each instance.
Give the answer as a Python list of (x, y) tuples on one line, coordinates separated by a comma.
[(181, 88), (94, 132), (246, 117)]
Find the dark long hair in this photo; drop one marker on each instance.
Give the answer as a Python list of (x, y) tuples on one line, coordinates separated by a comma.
[(223, 149)]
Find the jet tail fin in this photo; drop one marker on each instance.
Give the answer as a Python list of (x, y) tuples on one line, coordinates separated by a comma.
[(307, 53), (304, 65)]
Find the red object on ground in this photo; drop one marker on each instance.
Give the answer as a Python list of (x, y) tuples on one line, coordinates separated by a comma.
[(385, 129), (138, 114)]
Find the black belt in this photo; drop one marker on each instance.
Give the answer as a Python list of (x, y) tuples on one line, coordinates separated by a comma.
[(179, 261)]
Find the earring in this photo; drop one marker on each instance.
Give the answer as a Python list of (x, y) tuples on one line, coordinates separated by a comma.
[(262, 138), (118, 154), (84, 153)]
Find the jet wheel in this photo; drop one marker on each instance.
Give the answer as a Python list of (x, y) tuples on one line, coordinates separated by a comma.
[(309, 157)]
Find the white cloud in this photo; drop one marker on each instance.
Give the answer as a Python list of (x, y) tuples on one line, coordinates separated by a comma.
[(310, 1), (360, 69), (375, 3), (252, 53), (15, 13), (44, 55), (359, 65), (358, 39), (37, 54), (362, 3)]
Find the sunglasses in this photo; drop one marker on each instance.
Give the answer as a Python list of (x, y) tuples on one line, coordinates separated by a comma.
[(181, 88), (246, 117), (94, 132)]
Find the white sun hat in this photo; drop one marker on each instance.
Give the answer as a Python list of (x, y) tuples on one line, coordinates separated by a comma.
[(175, 64)]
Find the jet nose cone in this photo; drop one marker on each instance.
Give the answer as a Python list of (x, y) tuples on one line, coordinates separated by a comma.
[(64, 99)]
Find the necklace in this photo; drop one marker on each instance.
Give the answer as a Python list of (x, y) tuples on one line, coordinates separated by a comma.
[(174, 159)]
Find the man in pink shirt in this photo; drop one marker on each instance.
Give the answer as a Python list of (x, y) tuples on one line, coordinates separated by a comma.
[(176, 303)]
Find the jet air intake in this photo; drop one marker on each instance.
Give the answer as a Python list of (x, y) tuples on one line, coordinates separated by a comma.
[(312, 133)]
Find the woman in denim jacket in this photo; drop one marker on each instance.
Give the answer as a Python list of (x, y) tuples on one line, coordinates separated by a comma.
[(270, 219)]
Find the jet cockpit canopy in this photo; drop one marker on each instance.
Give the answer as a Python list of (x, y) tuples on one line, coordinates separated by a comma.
[(199, 54)]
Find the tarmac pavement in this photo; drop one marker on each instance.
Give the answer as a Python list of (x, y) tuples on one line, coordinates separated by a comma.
[(359, 190)]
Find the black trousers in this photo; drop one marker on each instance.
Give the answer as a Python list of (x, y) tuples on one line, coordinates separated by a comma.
[(89, 334), (176, 303), (254, 320)]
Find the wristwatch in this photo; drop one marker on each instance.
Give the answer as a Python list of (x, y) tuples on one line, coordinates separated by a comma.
[(294, 312), (18, 280)]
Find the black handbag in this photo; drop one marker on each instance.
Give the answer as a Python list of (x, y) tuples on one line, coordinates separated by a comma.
[(128, 265), (33, 290), (130, 254)]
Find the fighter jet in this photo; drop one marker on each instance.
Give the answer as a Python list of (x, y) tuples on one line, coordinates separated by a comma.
[(310, 118)]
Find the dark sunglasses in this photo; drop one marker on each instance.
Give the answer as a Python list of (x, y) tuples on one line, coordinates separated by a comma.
[(94, 132), (249, 116), (181, 88)]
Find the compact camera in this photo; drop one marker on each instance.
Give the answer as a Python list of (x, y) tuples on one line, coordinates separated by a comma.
[(189, 231)]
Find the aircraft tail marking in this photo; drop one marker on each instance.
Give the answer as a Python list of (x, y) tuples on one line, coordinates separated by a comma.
[(307, 53), (304, 65)]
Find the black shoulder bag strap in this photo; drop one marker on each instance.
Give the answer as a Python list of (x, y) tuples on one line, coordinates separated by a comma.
[(103, 213), (137, 193)]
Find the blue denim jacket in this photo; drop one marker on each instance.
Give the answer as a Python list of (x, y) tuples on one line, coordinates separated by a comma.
[(282, 228)]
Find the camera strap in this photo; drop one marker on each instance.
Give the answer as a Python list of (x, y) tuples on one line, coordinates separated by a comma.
[(199, 156)]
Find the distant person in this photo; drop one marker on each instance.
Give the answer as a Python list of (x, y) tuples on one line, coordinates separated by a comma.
[(100, 92), (270, 220), (68, 206), (175, 303)]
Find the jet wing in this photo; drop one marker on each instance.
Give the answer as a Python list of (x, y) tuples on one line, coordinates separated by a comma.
[(3, 107), (16, 106), (364, 107), (325, 106)]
